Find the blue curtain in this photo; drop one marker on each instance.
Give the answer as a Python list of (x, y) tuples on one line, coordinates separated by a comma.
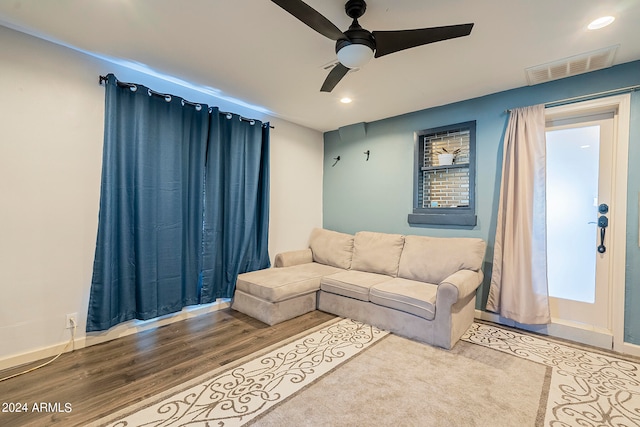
[(237, 203), (151, 247)]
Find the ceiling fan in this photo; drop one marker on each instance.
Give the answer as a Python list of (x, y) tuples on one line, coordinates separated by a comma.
[(356, 46)]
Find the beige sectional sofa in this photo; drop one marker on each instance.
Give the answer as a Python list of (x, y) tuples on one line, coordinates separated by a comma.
[(420, 287)]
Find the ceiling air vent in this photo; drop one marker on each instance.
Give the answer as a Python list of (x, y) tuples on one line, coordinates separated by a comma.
[(571, 66)]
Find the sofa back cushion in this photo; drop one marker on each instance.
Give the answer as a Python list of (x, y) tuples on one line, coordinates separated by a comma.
[(331, 248), (377, 252), (433, 259)]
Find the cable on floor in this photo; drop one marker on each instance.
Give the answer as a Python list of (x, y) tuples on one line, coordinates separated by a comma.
[(73, 336)]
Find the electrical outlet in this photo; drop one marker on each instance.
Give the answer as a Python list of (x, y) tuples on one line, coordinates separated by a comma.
[(72, 320)]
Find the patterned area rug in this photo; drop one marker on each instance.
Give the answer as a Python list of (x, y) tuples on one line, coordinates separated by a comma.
[(587, 388), (327, 378), (238, 395)]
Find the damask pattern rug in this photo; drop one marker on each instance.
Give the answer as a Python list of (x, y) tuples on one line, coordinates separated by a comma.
[(236, 396), (351, 374), (587, 388)]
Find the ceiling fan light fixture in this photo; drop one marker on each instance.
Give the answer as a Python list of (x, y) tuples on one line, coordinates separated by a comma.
[(355, 55), (356, 46)]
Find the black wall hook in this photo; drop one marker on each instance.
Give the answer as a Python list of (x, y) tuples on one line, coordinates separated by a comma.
[(337, 159), (367, 153)]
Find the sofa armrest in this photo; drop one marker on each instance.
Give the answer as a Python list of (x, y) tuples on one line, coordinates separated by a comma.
[(459, 285), (287, 259)]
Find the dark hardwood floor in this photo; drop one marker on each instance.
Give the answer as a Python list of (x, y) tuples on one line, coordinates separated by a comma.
[(87, 384)]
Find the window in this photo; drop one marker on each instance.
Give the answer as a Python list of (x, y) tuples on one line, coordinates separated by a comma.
[(444, 179)]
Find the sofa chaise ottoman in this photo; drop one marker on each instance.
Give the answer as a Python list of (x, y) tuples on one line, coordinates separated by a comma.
[(420, 287)]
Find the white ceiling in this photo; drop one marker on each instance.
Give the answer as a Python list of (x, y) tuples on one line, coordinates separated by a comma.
[(252, 50)]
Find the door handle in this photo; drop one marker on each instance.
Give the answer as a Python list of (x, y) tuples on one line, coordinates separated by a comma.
[(603, 223)]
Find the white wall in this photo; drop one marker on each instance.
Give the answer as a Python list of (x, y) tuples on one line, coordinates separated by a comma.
[(51, 129), (296, 186)]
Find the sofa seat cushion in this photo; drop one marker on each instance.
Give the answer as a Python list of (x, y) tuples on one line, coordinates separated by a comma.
[(352, 284), (279, 284), (410, 296), (377, 252)]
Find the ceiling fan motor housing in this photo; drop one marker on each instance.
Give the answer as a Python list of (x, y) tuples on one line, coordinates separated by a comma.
[(356, 35)]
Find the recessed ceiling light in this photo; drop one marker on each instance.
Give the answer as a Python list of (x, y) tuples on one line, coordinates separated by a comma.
[(601, 22), (346, 100)]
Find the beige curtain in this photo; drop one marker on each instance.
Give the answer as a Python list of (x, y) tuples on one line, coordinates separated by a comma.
[(519, 279)]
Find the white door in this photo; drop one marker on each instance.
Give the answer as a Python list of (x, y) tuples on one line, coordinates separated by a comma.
[(579, 207), (596, 316)]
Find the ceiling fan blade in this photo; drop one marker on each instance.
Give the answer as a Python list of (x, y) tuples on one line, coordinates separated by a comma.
[(335, 75), (393, 41), (311, 17)]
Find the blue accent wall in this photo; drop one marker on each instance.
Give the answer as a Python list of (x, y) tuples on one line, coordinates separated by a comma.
[(377, 195), (632, 288)]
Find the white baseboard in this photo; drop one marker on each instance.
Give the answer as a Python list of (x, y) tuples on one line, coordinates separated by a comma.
[(121, 330), (632, 349)]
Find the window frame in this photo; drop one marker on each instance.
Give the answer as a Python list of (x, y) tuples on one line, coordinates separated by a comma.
[(462, 216)]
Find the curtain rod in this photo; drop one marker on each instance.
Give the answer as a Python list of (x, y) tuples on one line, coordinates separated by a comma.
[(589, 96), (103, 79)]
